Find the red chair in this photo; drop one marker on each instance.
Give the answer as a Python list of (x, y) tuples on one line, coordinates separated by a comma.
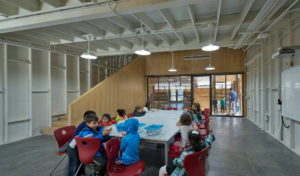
[(62, 136), (87, 148), (174, 109), (205, 132), (112, 148), (194, 164), (205, 124), (130, 115)]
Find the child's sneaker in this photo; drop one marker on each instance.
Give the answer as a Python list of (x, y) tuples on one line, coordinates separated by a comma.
[(118, 161)]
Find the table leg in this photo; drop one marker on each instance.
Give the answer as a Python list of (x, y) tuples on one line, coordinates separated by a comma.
[(166, 152)]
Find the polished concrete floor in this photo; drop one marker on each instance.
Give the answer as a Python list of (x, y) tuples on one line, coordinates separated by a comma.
[(240, 149)]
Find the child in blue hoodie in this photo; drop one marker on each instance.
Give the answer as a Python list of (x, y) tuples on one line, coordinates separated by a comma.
[(92, 129), (130, 143)]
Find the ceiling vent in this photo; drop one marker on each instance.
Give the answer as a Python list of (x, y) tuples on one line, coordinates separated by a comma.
[(196, 57)]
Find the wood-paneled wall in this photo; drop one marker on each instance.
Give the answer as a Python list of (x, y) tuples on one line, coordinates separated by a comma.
[(124, 89), (225, 60)]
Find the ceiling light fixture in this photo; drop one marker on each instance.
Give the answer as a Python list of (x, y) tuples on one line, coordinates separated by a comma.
[(142, 51), (210, 67), (172, 68), (89, 54), (210, 46)]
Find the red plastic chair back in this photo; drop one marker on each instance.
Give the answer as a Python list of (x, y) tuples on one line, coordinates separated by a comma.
[(87, 148), (206, 110), (130, 115), (112, 148), (194, 164), (175, 109), (63, 135)]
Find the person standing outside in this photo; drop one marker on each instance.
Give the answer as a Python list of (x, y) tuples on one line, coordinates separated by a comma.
[(232, 101)]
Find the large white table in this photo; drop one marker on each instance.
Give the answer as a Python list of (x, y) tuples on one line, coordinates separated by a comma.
[(163, 117)]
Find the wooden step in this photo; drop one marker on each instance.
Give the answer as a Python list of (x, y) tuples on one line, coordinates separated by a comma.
[(63, 118), (59, 124), (49, 130)]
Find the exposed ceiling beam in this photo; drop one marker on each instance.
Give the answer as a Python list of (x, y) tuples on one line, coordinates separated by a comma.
[(151, 40), (123, 22), (165, 38), (125, 43), (55, 3), (31, 5), (96, 11), (110, 45), (54, 33), (171, 22), (31, 33), (69, 31), (218, 20), (26, 39), (193, 19), (134, 40), (244, 13), (143, 18), (87, 28), (8, 9), (107, 26)]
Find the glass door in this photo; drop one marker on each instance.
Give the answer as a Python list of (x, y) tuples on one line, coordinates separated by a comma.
[(201, 91), (227, 92)]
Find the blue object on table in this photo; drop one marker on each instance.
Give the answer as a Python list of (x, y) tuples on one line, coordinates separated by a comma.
[(141, 129), (142, 124), (153, 129), (120, 127)]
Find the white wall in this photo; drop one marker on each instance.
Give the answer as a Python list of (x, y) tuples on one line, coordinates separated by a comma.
[(264, 82), (41, 104), (35, 85)]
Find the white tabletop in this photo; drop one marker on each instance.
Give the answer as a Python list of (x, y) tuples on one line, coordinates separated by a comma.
[(162, 117)]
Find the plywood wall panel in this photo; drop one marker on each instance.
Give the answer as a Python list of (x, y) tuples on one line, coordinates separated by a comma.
[(124, 89)]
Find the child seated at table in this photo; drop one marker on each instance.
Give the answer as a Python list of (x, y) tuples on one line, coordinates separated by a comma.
[(93, 130), (121, 115), (194, 118), (197, 110), (176, 167), (185, 126), (130, 143), (72, 149), (106, 121), (138, 111)]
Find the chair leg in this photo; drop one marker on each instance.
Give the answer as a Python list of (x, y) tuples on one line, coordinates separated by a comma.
[(78, 169), (57, 165)]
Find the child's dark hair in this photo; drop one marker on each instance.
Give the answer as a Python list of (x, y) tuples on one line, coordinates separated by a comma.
[(88, 112), (107, 116), (192, 114), (197, 105), (121, 112), (137, 108), (185, 119), (91, 117), (195, 140), (147, 105)]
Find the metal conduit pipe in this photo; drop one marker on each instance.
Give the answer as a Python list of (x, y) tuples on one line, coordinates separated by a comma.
[(282, 15), (58, 9), (274, 9), (258, 19)]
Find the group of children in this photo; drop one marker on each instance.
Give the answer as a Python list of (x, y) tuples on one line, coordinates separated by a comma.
[(90, 128), (191, 140)]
